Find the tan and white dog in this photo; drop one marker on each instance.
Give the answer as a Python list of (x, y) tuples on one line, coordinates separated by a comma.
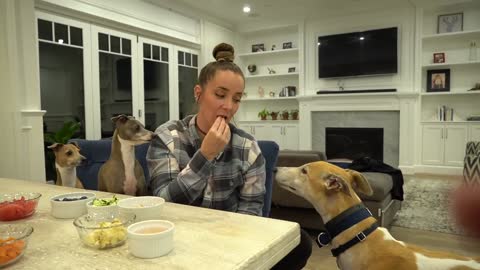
[(122, 173), (331, 190), (67, 158)]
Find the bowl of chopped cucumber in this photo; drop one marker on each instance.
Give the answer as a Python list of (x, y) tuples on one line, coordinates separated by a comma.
[(103, 207)]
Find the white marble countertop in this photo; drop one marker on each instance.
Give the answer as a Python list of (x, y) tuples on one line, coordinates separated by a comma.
[(204, 238)]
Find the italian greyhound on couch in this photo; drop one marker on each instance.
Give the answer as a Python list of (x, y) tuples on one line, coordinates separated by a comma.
[(67, 158), (122, 173), (356, 240)]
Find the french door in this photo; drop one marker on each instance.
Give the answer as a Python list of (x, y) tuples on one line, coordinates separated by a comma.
[(187, 74)]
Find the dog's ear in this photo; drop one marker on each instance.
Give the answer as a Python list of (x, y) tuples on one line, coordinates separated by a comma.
[(55, 147), (119, 119), (360, 183), (76, 144), (336, 183)]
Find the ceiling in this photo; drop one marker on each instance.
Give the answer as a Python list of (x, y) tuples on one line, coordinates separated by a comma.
[(266, 11)]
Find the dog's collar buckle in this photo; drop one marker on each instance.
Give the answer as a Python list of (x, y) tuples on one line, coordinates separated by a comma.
[(361, 236), (323, 239)]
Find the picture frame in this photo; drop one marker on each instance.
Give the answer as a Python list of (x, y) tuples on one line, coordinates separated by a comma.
[(438, 80), (448, 23), (438, 58), (287, 45), (291, 69), (258, 47)]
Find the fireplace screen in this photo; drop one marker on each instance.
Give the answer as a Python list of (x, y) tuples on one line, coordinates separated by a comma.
[(354, 143)]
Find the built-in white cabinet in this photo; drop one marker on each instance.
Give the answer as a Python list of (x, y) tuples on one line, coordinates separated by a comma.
[(474, 132), (444, 144), (284, 134)]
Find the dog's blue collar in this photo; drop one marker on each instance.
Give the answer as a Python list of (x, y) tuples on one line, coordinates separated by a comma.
[(342, 222)]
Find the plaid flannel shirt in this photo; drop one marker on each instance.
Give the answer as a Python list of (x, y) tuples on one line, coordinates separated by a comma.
[(233, 181)]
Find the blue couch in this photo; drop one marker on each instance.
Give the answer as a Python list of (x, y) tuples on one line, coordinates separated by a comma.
[(97, 152)]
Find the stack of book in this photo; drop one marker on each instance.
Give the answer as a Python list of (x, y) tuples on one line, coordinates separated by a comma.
[(445, 113)]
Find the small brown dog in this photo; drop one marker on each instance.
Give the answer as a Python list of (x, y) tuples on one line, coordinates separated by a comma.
[(122, 173), (67, 158)]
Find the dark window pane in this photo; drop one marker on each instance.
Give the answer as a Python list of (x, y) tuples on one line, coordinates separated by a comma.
[(126, 47), (114, 44), (164, 54), (155, 76), (156, 52), (181, 58), (187, 78), (146, 51), (194, 60), (61, 33), (188, 59), (76, 36), (45, 30), (103, 42)]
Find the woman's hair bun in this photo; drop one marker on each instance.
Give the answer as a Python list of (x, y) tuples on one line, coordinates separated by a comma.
[(224, 52)]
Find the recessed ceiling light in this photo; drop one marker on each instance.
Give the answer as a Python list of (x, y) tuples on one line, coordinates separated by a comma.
[(246, 9), (362, 38)]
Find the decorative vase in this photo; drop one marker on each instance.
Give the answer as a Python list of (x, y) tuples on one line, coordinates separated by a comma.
[(261, 92), (472, 56)]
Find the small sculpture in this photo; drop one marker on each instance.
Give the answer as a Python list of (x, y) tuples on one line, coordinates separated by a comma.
[(273, 47), (261, 92), (252, 68), (272, 94), (271, 71)]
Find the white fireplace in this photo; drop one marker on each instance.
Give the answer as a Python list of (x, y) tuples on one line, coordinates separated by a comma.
[(394, 112)]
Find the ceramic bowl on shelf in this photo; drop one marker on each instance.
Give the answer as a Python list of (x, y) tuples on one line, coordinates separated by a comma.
[(70, 205), (13, 242), (150, 238), (14, 206), (101, 232), (144, 207)]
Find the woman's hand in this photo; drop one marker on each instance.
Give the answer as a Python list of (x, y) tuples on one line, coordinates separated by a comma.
[(215, 140)]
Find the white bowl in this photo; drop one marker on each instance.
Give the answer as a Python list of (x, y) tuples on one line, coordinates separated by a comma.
[(70, 209), (150, 238), (102, 211), (144, 207)]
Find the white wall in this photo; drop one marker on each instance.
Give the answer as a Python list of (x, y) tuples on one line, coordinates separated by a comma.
[(402, 17), (136, 13), (21, 141)]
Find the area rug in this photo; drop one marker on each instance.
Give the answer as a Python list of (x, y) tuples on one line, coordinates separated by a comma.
[(426, 206)]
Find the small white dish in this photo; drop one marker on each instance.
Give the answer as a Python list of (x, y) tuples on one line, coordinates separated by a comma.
[(102, 211), (150, 238), (144, 207), (70, 209)]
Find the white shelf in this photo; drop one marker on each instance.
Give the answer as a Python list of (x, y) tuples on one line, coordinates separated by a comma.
[(452, 35), (451, 64), (449, 122), (450, 93), (267, 98), (272, 75), (275, 52)]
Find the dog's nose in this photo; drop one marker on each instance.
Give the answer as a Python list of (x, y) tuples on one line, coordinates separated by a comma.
[(275, 170)]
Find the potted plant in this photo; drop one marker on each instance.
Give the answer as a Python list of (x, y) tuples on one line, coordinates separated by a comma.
[(274, 115), (263, 114), (294, 114), (284, 115)]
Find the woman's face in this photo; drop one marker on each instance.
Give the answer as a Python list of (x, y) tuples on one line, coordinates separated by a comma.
[(221, 96)]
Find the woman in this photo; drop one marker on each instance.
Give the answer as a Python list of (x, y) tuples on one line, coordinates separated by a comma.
[(204, 160)]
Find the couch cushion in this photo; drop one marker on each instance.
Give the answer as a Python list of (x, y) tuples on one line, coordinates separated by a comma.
[(381, 184), (291, 158)]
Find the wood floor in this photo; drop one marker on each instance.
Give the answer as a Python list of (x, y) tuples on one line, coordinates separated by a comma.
[(322, 258)]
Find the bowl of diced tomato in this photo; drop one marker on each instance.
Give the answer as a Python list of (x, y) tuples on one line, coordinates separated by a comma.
[(13, 242), (19, 205)]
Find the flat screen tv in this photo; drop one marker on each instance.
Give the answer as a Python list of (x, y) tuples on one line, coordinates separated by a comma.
[(370, 52)]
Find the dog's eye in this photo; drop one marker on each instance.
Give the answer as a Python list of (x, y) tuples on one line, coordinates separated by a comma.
[(304, 171), (69, 153), (137, 128)]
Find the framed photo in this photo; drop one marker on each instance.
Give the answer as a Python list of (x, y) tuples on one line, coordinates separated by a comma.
[(258, 47), (438, 58), (438, 80), (287, 45), (450, 23), (291, 69)]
